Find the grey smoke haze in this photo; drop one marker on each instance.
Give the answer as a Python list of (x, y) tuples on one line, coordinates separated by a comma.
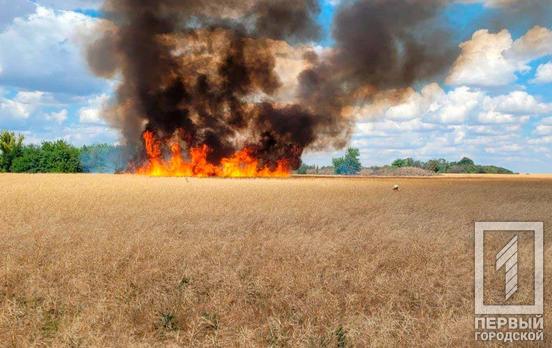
[(523, 14), (379, 44)]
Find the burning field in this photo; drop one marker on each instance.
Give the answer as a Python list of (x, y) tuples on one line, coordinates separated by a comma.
[(131, 260), (239, 165), (240, 88)]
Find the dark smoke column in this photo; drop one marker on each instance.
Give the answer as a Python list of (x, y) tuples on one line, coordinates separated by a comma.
[(204, 70), (379, 45)]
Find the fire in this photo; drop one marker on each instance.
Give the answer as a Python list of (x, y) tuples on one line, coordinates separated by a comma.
[(240, 165)]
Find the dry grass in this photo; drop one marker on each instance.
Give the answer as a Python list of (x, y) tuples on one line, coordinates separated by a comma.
[(125, 261)]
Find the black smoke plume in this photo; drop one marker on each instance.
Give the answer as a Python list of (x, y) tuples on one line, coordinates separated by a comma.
[(379, 45), (205, 70)]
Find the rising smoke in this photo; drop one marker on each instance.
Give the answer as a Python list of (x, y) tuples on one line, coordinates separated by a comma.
[(379, 45), (204, 71)]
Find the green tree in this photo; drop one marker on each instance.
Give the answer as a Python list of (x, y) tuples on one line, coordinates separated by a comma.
[(465, 161), (437, 165), (348, 164), (30, 160), (50, 157), (398, 163), (61, 157), (11, 147), (406, 162), (466, 165)]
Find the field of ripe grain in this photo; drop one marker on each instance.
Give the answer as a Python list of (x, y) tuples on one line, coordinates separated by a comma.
[(90, 260)]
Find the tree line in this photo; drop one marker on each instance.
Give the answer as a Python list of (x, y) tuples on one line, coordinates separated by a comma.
[(57, 157), (62, 157), (350, 164), (464, 166)]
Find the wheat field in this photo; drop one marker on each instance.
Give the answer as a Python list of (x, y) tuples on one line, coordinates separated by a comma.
[(105, 260)]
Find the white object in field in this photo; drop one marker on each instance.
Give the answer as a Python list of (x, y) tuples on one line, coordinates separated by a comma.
[(396, 188)]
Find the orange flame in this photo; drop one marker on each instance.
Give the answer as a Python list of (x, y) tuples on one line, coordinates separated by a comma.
[(240, 165)]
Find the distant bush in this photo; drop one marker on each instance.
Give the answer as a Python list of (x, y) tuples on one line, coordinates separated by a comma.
[(349, 164), (437, 166), (495, 170), (407, 162)]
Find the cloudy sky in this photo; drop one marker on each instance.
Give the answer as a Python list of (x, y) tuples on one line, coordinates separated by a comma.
[(494, 104)]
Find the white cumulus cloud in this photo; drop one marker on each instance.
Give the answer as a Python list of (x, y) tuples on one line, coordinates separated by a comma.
[(457, 105), (535, 44), (92, 112), (544, 127), (544, 73), (493, 59), (461, 104), (482, 61), (43, 51), (22, 105), (518, 102), (58, 117)]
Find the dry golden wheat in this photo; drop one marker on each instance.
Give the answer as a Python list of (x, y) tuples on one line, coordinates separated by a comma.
[(92, 260)]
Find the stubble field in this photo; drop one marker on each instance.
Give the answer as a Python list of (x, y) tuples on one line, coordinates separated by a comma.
[(92, 260)]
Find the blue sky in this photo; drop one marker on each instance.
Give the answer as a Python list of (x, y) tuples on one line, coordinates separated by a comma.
[(494, 104)]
